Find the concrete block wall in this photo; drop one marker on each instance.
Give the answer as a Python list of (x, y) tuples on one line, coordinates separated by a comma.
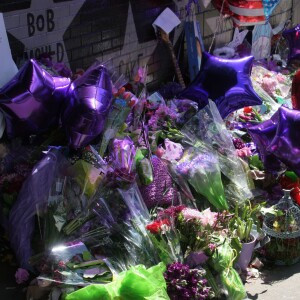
[(79, 31)]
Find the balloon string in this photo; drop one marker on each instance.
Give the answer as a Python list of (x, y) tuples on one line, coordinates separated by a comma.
[(218, 27)]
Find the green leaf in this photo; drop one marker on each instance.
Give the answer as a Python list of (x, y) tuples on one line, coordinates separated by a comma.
[(86, 256)]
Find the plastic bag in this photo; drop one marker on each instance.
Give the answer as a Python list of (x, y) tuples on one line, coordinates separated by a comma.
[(233, 284), (222, 261), (137, 283)]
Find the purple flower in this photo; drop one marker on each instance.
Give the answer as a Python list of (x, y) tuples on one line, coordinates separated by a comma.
[(21, 276), (186, 283)]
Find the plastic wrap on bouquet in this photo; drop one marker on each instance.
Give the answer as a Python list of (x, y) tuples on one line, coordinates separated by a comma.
[(221, 262), (124, 214), (208, 127), (55, 192), (137, 283), (200, 166), (72, 264), (34, 193)]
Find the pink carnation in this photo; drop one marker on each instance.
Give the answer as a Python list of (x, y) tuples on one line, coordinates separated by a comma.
[(244, 152), (190, 214), (21, 276), (208, 217)]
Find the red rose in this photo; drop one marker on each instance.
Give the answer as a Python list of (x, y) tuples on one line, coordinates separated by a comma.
[(247, 109), (155, 227)]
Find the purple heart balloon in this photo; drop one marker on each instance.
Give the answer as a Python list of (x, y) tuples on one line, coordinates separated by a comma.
[(286, 143), (293, 37), (32, 100), (90, 99), (226, 81), (262, 135)]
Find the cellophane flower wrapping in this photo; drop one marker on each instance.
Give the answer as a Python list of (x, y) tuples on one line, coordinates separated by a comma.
[(71, 263), (54, 194), (208, 127), (200, 166), (34, 194), (222, 262), (137, 283), (123, 102), (124, 214)]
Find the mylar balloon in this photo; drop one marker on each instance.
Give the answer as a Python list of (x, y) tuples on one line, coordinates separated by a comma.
[(89, 101), (32, 100), (262, 135), (226, 81), (296, 91), (293, 37), (286, 143)]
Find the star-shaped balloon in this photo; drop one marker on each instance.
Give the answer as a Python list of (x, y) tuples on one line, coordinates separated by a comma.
[(89, 101), (32, 100), (226, 81), (293, 37), (262, 135), (286, 143)]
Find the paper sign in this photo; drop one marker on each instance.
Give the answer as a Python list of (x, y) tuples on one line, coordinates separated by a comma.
[(8, 67), (261, 41), (206, 2), (167, 21), (238, 38)]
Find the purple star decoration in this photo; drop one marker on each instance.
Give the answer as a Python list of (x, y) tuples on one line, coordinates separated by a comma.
[(286, 143), (262, 135), (226, 81), (32, 100), (278, 139), (293, 37), (90, 99)]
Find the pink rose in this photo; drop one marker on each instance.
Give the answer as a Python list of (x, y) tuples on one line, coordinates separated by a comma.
[(21, 276)]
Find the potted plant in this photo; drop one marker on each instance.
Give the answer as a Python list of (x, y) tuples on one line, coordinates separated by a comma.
[(245, 219)]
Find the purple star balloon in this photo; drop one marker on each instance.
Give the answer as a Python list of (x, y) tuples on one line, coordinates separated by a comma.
[(32, 100), (90, 99), (293, 37), (226, 81), (286, 143), (262, 135)]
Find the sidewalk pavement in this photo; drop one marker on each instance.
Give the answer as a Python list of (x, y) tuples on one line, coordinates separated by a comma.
[(276, 283)]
